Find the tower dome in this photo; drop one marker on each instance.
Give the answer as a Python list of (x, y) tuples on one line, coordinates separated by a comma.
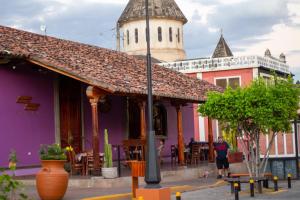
[(166, 29)]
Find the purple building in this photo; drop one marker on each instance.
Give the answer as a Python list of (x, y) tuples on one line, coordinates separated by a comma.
[(59, 91)]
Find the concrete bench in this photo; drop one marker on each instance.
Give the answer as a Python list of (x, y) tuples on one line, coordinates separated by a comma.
[(239, 180), (265, 181)]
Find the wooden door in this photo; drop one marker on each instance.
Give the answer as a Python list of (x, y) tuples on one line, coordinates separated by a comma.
[(134, 120), (70, 113)]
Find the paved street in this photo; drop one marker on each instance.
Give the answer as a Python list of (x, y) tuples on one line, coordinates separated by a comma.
[(223, 193)]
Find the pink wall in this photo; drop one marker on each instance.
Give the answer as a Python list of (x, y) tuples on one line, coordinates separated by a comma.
[(245, 74), (23, 130)]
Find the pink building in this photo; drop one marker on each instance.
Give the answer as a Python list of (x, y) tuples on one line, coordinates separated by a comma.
[(224, 69)]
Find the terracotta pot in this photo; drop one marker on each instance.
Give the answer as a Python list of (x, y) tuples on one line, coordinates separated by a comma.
[(138, 168), (235, 157), (52, 180)]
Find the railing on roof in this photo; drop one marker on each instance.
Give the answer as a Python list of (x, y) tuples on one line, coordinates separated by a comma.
[(226, 63)]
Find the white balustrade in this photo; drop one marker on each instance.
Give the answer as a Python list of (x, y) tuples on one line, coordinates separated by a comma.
[(226, 63)]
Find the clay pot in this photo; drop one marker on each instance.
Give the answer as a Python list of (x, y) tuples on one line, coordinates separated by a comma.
[(235, 157), (52, 180)]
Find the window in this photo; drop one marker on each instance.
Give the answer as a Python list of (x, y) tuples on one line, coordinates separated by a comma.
[(170, 34), (136, 34), (159, 34), (178, 35), (232, 82), (127, 37)]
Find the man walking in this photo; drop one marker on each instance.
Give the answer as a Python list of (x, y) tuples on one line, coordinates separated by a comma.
[(221, 152)]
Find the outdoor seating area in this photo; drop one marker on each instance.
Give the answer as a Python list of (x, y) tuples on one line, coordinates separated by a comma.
[(83, 163), (134, 150)]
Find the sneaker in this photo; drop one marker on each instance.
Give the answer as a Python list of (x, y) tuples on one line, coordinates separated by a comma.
[(219, 176)]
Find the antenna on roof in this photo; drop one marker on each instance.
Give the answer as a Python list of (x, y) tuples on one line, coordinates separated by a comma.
[(43, 28)]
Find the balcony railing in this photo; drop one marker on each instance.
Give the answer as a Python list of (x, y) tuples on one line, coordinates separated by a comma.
[(227, 63)]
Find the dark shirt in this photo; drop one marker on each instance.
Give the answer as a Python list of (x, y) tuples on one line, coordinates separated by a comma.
[(221, 149)]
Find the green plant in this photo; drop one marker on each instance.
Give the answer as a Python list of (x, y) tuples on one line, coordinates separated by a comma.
[(229, 136), (107, 151), (12, 160), (13, 156), (11, 189), (52, 152)]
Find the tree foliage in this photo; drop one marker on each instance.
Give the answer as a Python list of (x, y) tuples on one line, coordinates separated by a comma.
[(264, 107)]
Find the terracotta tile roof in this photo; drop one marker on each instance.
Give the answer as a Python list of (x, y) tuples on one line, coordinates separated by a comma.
[(110, 70), (167, 9)]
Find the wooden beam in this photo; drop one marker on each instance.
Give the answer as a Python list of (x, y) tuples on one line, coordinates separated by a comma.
[(142, 107), (94, 94), (180, 136), (62, 72), (211, 154)]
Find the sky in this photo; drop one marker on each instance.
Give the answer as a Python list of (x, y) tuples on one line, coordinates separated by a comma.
[(249, 26)]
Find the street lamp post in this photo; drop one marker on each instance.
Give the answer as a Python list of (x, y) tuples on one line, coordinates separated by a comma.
[(152, 177)]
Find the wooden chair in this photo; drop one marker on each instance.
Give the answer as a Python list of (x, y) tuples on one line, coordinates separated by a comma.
[(75, 165), (90, 163), (195, 153), (174, 157)]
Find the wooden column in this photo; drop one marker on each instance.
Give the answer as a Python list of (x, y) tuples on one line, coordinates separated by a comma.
[(180, 136), (142, 106), (94, 95), (211, 154)]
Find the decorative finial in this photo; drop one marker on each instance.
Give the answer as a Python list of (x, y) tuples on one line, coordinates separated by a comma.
[(221, 31)]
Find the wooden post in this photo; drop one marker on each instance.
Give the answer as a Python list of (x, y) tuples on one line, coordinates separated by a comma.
[(95, 128), (210, 141), (180, 136), (94, 94), (142, 106)]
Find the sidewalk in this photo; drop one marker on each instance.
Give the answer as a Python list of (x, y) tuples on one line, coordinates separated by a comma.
[(75, 193)]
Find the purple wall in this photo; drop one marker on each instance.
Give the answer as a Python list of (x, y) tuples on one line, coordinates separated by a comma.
[(188, 126), (23, 130), (114, 121)]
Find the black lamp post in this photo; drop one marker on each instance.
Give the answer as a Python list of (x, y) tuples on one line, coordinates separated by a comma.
[(152, 177)]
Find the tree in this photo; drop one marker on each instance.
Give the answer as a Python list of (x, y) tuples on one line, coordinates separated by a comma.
[(261, 108)]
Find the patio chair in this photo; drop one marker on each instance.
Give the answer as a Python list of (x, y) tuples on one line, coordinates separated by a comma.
[(76, 166), (90, 163), (195, 154), (174, 157)]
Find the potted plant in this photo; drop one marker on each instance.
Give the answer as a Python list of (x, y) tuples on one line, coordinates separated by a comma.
[(12, 165), (234, 156), (108, 171), (52, 179)]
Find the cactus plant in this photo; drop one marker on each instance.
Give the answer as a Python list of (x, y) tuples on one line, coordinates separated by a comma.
[(107, 151)]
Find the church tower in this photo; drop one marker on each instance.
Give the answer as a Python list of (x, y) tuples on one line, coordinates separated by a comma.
[(166, 30)]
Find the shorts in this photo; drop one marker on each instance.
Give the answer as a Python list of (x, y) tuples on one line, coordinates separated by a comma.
[(222, 163)]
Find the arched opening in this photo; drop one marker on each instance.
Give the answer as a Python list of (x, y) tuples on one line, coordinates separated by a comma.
[(127, 37), (159, 32), (178, 35), (170, 34), (136, 35), (160, 120)]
